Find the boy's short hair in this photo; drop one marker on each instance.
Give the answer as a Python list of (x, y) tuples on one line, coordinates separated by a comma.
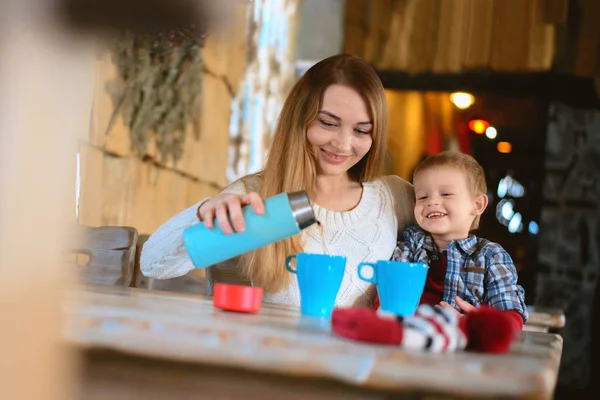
[(464, 162)]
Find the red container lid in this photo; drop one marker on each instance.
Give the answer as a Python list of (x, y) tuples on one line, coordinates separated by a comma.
[(237, 298)]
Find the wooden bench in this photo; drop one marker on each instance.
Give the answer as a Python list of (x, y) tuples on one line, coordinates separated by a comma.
[(543, 319)]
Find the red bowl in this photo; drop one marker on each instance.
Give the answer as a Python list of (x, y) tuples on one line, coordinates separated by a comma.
[(237, 298)]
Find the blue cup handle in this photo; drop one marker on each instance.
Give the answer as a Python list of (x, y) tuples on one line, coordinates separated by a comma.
[(361, 276), (288, 265)]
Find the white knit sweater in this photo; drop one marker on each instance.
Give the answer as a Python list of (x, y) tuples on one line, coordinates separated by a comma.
[(366, 233)]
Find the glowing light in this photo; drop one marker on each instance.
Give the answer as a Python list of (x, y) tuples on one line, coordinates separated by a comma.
[(491, 132), (510, 186), (478, 126), (516, 189), (534, 229), (508, 210), (499, 216), (462, 100), (504, 147), (515, 223), (503, 186)]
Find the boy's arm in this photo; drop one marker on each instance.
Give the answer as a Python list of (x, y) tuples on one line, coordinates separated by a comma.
[(501, 288), (408, 246)]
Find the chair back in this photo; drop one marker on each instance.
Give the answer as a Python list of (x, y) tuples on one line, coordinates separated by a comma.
[(110, 252)]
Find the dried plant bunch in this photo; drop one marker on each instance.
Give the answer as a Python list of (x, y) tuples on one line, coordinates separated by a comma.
[(157, 88)]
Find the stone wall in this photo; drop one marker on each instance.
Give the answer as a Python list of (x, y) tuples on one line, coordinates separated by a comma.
[(569, 248)]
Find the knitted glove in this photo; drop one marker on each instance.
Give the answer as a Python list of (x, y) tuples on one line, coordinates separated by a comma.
[(429, 329)]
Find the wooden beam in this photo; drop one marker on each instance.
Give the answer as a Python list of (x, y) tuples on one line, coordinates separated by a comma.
[(576, 91), (513, 20), (480, 21), (355, 21), (587, 61), (556, 11)]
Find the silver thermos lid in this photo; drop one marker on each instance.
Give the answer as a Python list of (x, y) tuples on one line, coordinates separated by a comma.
[(302, 209)]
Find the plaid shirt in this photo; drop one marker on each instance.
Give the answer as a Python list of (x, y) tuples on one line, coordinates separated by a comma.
[(479, 271)]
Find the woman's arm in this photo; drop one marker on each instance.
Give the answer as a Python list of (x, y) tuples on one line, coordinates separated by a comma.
[(403, 196), (164, 255)]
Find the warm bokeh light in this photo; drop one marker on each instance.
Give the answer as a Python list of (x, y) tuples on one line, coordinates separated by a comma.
[(462, 100), (491, 132), (478, 126), (504, 147)]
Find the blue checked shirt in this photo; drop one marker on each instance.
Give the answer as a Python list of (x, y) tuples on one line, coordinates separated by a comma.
[(479, 271)]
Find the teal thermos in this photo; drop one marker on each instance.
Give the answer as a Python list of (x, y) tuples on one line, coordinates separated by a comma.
[(286, 214)]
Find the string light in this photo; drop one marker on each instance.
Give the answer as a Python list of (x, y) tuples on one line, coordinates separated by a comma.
[(478, 126), (491, 132), (504, 147), (534, 229), (462, 100)]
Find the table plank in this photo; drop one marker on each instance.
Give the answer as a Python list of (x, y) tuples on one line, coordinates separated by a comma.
[(186, 328), (546, 317)]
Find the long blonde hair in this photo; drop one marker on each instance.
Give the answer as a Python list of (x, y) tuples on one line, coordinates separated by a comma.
[(291, 166)]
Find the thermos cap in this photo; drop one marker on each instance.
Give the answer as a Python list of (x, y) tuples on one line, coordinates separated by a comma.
[(237, 298), (302, 209)]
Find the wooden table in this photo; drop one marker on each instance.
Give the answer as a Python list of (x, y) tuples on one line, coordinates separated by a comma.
[(542, 319), (162, 345)]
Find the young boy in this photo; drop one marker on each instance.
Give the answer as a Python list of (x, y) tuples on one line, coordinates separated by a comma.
[(464, 270)]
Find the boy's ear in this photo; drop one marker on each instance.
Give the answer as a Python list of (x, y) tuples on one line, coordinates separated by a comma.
[(481, 203)]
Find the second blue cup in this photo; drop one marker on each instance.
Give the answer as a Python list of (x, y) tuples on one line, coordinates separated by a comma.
[(399, 284), (319, 280)]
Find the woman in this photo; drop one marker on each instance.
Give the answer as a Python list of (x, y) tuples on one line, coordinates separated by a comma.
[(330, 141)]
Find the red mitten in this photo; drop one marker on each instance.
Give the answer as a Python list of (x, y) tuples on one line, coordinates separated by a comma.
[(488, 329), (364, 325)]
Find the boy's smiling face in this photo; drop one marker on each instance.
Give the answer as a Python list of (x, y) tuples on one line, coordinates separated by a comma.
[(445, 206)]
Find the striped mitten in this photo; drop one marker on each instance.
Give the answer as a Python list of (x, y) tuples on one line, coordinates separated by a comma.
[(429, 329)]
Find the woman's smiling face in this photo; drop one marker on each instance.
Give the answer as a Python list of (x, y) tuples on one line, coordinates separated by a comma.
[(340, 136)]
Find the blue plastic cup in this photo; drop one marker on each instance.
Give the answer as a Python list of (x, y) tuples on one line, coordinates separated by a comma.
[(319, 279), (399, 284)]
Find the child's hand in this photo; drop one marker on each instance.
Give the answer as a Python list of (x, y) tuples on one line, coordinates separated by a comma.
[(464, 306)]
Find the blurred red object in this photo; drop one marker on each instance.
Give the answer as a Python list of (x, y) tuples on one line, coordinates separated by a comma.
[(237, 298), (478, 126)]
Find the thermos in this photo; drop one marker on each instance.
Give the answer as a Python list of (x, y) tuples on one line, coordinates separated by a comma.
[(286, 214)]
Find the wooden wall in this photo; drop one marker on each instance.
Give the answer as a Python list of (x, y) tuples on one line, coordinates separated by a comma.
[(119, 188), (452, 36), (419, 124)]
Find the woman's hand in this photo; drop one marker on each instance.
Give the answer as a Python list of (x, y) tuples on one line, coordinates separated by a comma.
[(464, 306), (226, 207)]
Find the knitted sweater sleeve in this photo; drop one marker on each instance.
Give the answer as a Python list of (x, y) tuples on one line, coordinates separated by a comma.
[(164, 255)]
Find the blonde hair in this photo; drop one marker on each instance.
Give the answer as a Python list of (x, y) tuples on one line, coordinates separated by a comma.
[(464, 162), (291, 165)]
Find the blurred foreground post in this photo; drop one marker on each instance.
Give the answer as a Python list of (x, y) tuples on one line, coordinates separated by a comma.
[(46, 83), (45, 100)]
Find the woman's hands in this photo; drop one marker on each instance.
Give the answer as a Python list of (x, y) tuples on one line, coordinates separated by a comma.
[(227, 209)]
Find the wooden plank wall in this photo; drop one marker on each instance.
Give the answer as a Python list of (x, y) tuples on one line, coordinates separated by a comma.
[(120, 189), (451, 36)]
